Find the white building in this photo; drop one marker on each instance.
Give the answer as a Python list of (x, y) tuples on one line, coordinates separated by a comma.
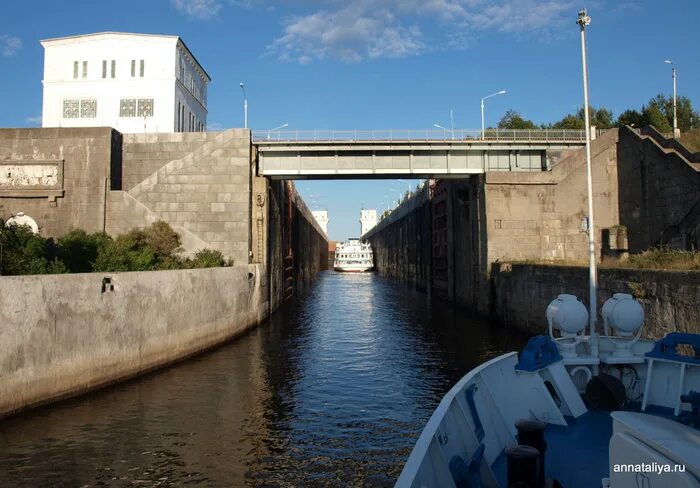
[(321, 217), (132, 82), (368, 219)]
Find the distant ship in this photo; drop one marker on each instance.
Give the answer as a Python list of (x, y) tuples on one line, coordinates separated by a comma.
[(353, 256)]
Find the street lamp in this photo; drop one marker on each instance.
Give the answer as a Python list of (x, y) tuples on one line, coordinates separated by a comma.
[(584, 20), (245, 107), (502, 92), (274, 129), (675, 119), (452, 124), (446, 130)]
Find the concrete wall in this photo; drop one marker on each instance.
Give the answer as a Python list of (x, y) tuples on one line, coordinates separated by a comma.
[(86, 167), (660, 198), (522, 292), (297, 247), (206, 192), (62, 335), (144, 154), (401, 242), (538, 215), (446, 239)]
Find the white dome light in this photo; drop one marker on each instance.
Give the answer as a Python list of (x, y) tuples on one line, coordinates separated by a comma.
[(623, 313), (567, 314)]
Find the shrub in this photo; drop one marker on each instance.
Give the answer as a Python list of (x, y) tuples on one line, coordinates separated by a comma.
[(78, 250), (207, 258), (127, 252), (162, 239), (23, 252)]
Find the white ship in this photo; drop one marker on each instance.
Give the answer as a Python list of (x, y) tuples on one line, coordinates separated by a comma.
[(586, 410), (353, 256)]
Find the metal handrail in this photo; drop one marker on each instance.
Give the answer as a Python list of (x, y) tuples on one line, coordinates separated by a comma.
[(397, 135)]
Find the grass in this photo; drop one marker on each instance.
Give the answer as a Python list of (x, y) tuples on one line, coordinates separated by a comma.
[(691, 140), (662, 257)]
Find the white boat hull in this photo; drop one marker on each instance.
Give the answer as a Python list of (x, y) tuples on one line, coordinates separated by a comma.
[(353, 269)]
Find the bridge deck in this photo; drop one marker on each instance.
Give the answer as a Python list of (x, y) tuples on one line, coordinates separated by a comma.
[(377, 154)]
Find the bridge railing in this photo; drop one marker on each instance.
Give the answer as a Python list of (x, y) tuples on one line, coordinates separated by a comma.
[(490, 135)]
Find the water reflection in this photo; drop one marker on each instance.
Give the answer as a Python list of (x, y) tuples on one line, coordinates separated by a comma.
[(333, 391)]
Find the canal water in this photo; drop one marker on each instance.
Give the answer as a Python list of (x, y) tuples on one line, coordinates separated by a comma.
[(332, 391)]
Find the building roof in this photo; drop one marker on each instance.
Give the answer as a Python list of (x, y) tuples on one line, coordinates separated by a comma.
[(132, 34)]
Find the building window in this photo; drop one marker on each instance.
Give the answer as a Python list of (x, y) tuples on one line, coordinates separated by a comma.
[(141, 69), (113, 69), (145, 107), (127, 107), (71, 108), (104, 68), (133, 107), (88, 109), (133, 68), (84, 109), (84, 69)]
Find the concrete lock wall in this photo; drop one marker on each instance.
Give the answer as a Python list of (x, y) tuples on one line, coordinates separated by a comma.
[(65, 334), (522, 292), (59, 177), (445, 239), (61, 335), (144, 154)]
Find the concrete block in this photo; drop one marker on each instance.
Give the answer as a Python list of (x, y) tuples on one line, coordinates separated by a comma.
[(218, 207)]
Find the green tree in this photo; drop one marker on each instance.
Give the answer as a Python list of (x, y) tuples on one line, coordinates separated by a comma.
[(632, 118), (513, 120), (653, 115), (686, 115), (601, 118)]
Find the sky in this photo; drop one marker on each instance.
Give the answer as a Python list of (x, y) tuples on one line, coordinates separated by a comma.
[(378, 64)]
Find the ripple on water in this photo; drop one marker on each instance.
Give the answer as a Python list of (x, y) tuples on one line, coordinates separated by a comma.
[(332, 391)]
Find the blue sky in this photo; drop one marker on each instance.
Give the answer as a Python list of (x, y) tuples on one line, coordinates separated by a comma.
[(378, 63)]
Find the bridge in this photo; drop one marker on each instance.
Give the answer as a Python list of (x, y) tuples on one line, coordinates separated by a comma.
[(427, 153)]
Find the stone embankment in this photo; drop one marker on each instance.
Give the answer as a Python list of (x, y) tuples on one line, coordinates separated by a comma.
[(521, 293), (66, 334)]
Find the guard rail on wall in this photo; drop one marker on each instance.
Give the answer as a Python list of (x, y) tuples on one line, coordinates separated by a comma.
[(391, 135)]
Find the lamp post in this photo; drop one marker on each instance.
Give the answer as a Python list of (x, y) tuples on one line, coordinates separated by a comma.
[(675, 118), (584, 20), (245, 107), (274, 129), (445, 130), (483, 131)]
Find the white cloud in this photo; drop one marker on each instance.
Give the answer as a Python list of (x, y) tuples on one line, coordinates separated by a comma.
[(372, 29), (9, 45), (34, 121), (200, 9), (354, 32)]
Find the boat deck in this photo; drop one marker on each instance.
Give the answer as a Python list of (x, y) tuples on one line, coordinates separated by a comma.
[(577, 455)]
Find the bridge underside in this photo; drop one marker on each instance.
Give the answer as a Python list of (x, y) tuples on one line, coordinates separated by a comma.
[(401, 160)]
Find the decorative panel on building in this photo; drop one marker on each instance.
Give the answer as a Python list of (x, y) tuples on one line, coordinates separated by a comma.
[(71, 109)]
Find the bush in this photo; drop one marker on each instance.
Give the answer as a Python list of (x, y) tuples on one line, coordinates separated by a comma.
[(208, 258), (127, 252), (78, 250), (152, 248), (23, 252), (162, 239)]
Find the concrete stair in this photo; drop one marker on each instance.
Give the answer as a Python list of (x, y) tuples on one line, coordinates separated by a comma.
[(206, 194)]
